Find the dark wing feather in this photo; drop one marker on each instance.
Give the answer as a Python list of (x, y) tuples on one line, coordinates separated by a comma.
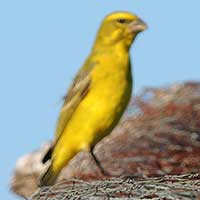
[(76, 93)]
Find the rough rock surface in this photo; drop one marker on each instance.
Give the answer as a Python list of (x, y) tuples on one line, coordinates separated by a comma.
[(158, 135), (182, 187)]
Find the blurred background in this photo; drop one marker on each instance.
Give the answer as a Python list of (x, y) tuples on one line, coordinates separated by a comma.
[(44, 43)]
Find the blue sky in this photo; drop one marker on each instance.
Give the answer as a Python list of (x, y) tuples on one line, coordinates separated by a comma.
[(43, 43)]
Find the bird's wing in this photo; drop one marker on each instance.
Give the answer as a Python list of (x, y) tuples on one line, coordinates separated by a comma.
[(75, 95)]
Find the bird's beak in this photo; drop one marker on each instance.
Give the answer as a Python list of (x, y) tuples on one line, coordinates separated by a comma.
[(137, 25)]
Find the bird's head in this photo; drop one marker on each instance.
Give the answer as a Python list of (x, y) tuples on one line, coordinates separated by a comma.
[(119, 28)]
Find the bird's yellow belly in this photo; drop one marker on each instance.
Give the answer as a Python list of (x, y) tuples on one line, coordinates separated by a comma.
[(107, 104), (99, 112)]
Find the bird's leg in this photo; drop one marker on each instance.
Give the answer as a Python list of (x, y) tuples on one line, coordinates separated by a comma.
[(98, 163)]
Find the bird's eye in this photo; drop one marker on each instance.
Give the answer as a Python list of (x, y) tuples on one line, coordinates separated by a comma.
[(121, 20)]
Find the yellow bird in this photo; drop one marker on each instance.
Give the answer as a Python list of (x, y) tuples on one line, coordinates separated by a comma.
[(98, 96)]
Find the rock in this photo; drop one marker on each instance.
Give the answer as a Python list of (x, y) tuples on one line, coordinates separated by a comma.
[(185, 187), (158, 135)]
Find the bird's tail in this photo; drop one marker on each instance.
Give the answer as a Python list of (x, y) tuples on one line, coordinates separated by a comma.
[(49, 177)]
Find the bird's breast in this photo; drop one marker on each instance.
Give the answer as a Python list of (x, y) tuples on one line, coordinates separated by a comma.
[(110, 91)]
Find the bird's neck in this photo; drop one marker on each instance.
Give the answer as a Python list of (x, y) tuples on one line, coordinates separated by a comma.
[(117, 48), (114, 57)]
